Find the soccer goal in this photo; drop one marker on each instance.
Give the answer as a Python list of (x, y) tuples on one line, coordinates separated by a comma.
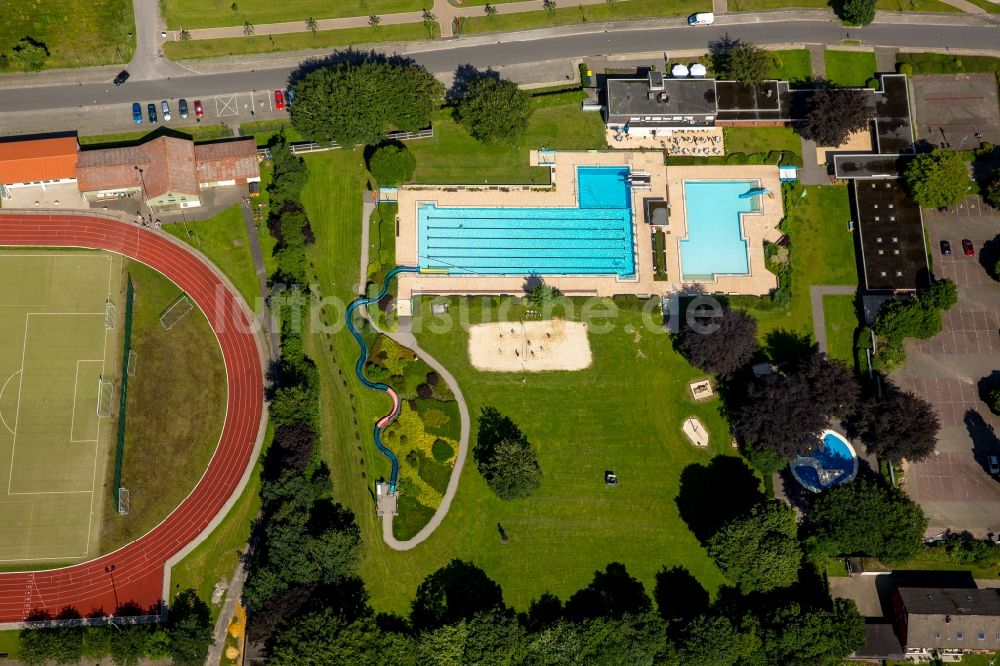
[(110, 315), (123, 501), (177, 310), (133, 358), (105, 396)]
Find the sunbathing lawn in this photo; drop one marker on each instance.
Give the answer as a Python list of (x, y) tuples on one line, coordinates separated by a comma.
[(295, 41), (822, 253), (841, 322), (192, 14), (795, 65), (452, 156), (610, 11), (850, 68), (761, 139)]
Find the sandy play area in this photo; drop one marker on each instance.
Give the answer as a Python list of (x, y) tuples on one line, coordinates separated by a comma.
[(530, 346)]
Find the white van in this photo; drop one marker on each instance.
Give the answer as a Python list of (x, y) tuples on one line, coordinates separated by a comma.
[(706, 18)]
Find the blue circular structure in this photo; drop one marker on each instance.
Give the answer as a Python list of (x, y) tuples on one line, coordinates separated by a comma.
[(833, 463)]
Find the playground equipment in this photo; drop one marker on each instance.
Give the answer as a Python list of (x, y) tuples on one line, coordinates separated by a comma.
[(359, 369)]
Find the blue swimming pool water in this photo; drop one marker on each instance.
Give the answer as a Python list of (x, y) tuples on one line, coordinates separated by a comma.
[(834, 456), (715, 244), (594, 238)]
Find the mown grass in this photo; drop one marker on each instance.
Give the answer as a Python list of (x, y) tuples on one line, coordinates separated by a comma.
[(613, 11), (849, 68), (883, 5), (176, 405), (791, 65), (192, 14), (295, 41), (198, 133), (10, 644), (761, 139), (841, 322), (77, 33)]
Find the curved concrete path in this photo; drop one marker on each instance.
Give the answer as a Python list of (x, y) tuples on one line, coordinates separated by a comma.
[(404, 336)]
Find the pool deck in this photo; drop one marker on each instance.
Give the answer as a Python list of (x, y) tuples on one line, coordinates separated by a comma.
[(562, 193)]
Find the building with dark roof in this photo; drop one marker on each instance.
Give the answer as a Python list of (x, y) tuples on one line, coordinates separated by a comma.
[(658, 103), (881, 643), (891, 231), (947, 620)]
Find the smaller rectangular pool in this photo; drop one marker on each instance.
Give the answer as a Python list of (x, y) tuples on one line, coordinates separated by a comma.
[(715, 244)]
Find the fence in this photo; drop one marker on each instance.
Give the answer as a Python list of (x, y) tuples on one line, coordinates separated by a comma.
[(306, 147), (123, 397)]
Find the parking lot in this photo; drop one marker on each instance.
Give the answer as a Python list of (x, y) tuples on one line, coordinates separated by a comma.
[(231, 108)]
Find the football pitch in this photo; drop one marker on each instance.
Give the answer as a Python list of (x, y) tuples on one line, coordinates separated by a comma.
[(59, 336)]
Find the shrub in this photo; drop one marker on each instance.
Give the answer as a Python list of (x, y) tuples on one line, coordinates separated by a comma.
[(442, 451), (905, 68), (992, 191), (938, 178), (424, 391), (994, 401), (392, 164)]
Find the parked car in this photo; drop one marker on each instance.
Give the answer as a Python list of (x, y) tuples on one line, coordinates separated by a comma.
[(151, 111), (121, 78), (198, 111), (289, 97), (137, 113), (279, 100), (994, 465), (166, 110), (946, 248), (968, 248), (704, 18), (182, 108)]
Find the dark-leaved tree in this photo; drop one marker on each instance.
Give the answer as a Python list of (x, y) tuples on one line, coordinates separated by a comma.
[(779, 414), (866, 518), (834, 387), (495, 110), (721, 345), (505, 457), (759, 551), (898, 425), (835, 113)]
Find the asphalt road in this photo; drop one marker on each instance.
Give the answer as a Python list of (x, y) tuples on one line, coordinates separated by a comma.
[(509, 52)]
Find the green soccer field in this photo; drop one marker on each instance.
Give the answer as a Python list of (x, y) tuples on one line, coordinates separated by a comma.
[(55, 347)]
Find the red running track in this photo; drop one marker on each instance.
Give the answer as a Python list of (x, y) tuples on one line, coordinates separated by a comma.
[(139, 565)]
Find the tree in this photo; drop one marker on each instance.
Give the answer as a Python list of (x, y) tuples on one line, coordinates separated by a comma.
[(505, 457), (326, 637), (992, 191), (430, 22), (866, 518), (759, 551), (748, 63), (898, 425), (834, 387), (60, 644), (293, 445), (779, 414), (490, 10), (859, 12), (31, 54), (941, 295), (937, 179), (190, 629), (725, 349), (127, 643), (185, 35), (798, 636), (312, 25), (294, 404), (392, 164), (375, 21), (493, 111), (708, 640), (539, 292), (994, 401), (356, 103), (248, 29), (835, 113), (907, 318)]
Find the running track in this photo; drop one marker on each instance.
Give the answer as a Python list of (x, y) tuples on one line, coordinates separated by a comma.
[(139, 566)]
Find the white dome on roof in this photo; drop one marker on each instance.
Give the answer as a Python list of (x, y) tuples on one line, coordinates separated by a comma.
[(698, 70), (679, 71)]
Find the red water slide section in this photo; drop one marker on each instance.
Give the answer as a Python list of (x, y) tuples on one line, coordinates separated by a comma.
[(139, 566)]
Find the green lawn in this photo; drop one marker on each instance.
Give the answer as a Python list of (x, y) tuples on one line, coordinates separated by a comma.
[(294, 41), (77, 33), (452, 156), (197, 132), (10, 644), (849, 68), (192, 14), (884, 5), (841, 322), (822, 253), (761, 139), (223, 239), (264, 130), (570, 14), (790, 65)]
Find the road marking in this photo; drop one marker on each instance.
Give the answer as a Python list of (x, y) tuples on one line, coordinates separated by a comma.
[(226, 106)]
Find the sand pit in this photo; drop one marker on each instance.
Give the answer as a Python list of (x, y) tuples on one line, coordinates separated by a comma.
[(530, 346)]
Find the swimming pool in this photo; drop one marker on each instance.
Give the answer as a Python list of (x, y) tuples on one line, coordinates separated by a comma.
[(595, 238), (832, 463), (715, 244)]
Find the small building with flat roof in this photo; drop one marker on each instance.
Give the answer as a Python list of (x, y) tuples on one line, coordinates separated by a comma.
[(655, 103)]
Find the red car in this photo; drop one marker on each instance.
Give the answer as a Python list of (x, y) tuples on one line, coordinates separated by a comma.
[(198, 111), (969, 248), (279, 100)]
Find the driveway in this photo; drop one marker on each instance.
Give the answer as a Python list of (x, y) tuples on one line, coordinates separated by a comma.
[(953, 371)]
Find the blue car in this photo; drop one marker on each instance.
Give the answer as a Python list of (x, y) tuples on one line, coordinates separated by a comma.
[(151, 110), (137, 113)]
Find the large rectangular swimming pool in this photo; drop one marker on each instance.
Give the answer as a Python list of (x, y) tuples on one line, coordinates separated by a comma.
[(715, 244), (595, 238)]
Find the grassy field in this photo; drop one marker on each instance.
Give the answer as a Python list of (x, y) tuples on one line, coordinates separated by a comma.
[(841, 322), (10, 644), (761, 139), (883, 5), (295, 41), (223, 239), (77, 33), (616, 11), (849, 68), (176, 405), (192, 14), (198, 133), (791, 65), (822, 253), (452, 156)]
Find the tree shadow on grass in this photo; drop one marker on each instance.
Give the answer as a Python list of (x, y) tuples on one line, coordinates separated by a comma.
[(713, 494), (457, 591), (612, 593), (784, 346), (679, 596)]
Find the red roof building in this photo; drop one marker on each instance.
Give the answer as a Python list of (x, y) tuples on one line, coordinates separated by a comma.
[(37, 162)]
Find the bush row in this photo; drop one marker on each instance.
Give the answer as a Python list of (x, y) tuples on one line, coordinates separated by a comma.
[(785, 157)]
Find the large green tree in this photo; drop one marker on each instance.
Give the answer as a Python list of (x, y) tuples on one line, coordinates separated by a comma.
[(189, 628), (760, 550), (867, 518), (356, 103), (709, 640), (797, 636), (938, 179), (505, 457), (748, 63), (392, 164), (859, 12), (326, 637), (495, 110), (992, 191)]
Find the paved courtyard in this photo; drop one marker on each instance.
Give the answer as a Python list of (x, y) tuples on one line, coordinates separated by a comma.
[(953, 108)]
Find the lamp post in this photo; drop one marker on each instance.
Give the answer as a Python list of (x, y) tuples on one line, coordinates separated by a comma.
[(145, 195), (110, 569)]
